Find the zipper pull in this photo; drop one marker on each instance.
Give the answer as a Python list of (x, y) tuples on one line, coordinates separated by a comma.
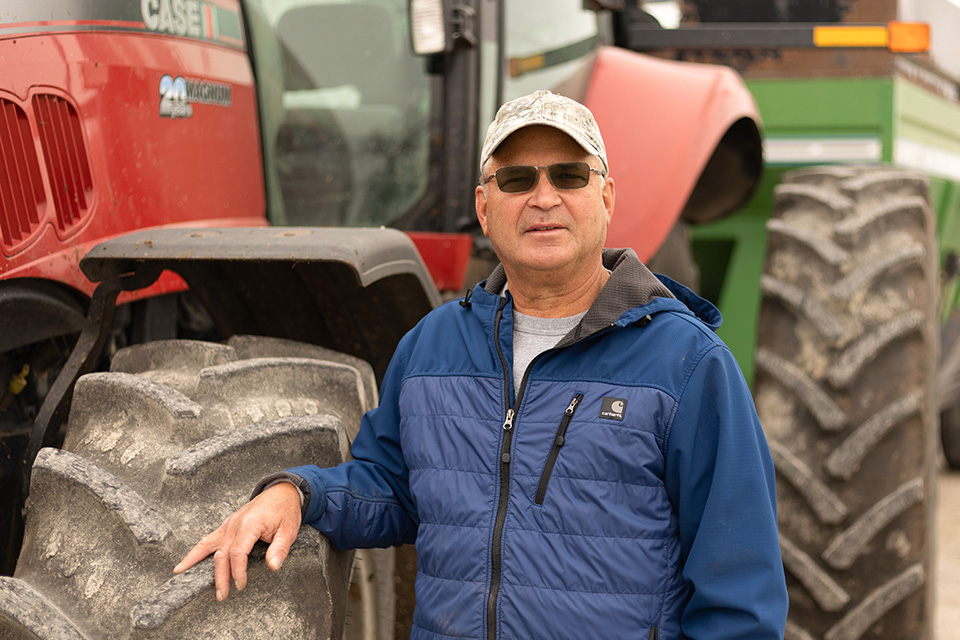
[(565, 421), (508, 423)]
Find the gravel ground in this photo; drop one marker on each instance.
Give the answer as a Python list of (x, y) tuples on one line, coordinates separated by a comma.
[(947, 621)]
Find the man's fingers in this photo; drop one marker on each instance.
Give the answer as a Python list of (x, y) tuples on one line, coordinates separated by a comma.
[(238, 553), (280, 546), (201, 550), (223, 558), (288, 527), (221, 574)]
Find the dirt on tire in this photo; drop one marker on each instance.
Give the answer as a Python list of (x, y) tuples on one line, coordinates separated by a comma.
[(845, 392), (157, 452)]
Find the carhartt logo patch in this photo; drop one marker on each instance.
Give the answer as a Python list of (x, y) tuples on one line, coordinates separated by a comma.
[(613, 408)]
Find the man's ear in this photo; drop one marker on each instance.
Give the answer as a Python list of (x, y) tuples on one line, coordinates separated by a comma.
[(609, 195), (481, 206)]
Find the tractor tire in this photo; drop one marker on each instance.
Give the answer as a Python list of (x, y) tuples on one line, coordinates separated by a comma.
[(157, 453), (845, 390)]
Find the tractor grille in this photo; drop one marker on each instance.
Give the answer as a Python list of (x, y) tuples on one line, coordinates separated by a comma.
[(21, 185), (66, 156)]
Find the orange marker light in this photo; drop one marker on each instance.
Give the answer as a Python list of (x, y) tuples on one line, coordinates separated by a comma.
[(909, 37), (899, 37)]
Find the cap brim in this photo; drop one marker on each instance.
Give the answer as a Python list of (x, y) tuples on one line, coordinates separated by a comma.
[(509, 131)]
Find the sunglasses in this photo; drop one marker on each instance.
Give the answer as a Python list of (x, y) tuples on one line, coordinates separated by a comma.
[(523, 177)]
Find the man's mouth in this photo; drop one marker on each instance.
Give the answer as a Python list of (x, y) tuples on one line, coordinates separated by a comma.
[(545, 228)]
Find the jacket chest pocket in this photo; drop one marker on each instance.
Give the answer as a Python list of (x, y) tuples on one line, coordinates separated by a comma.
[(558, 441), (600, 449)]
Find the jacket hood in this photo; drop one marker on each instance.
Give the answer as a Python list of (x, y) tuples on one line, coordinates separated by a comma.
[(632, 293)]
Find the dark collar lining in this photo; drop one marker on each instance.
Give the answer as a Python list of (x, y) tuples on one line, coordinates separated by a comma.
[(631, 284)]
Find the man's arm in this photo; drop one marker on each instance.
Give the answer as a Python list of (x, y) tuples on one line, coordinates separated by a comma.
[(720, 479)]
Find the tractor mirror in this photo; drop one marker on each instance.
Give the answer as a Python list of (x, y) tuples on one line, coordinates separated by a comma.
[(436, 26), (430, 27)]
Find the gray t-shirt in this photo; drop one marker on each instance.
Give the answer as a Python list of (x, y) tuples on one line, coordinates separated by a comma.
[(532, 336)]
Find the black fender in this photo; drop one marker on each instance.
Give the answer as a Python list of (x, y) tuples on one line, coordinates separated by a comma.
[(353, 290)]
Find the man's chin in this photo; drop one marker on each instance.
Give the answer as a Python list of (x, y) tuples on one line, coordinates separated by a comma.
[(545, 262)]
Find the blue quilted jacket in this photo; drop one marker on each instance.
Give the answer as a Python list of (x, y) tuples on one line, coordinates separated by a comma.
[(625, 491)]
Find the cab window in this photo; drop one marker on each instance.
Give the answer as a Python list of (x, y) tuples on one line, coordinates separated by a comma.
[(347, 131)]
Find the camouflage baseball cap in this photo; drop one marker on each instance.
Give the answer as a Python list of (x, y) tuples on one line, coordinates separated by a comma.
[(552, 110)]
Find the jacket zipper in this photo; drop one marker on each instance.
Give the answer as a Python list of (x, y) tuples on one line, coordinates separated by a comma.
[(496, 551), (555, 449)]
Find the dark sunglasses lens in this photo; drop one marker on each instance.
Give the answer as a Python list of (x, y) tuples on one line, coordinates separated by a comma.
[(516, 179), (563, 175), (569, 175)]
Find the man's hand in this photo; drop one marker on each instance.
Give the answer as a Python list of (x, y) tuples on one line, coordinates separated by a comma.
[(273, 516)]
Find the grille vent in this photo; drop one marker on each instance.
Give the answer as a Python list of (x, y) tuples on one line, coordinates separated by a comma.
[(21, 184), (66, 156)]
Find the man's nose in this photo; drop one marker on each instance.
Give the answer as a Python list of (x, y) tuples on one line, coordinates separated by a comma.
[(544, 194)]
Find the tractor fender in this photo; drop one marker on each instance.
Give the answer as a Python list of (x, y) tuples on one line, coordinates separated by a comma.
[(357, 291), (681, 139)]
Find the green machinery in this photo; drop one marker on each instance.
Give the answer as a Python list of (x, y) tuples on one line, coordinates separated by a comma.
[(839, 283), (813, 121)]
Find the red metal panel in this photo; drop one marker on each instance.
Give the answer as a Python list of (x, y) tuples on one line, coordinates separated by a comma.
[(111, 162), (446, 256), (661, 122)]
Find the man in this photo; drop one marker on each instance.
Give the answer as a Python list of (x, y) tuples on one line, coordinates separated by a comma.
[(573, 449)]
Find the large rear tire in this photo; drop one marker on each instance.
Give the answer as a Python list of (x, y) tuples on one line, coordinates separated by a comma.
[(845, 392), (156, 454)]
